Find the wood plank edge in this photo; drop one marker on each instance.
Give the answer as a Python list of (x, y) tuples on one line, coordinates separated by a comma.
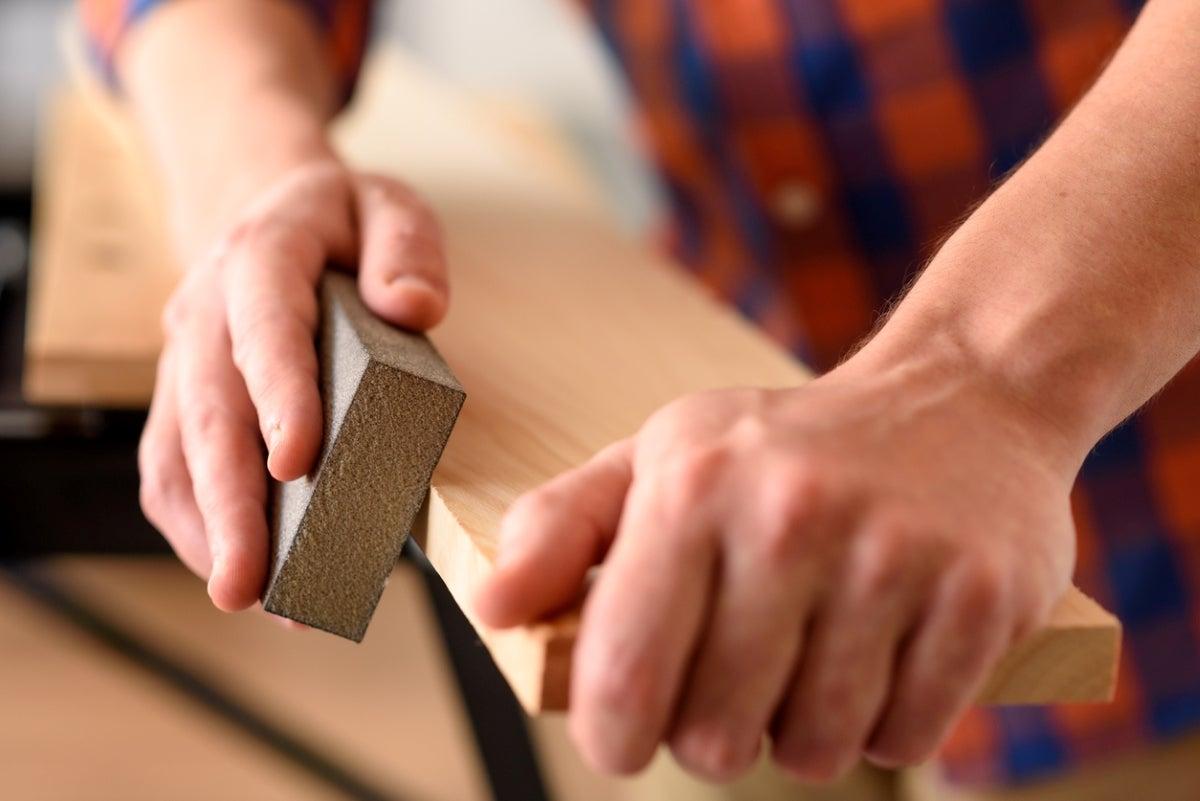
[(53, 380)]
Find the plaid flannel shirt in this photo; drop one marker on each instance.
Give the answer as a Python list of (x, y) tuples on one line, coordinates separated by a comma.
[(815, 152)]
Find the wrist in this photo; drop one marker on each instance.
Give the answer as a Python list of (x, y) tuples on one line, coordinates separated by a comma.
[(1021, 300), (949, 351), (213, 176)]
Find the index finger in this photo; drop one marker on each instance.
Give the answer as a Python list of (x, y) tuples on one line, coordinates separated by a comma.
[(402, 271), (269, 282), (640, 623), (552, 536)]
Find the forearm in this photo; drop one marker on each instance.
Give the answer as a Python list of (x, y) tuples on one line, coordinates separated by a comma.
[(1076, 285), (230, 94)]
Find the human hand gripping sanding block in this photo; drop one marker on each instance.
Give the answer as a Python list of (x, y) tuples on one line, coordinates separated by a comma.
[(390, 403)]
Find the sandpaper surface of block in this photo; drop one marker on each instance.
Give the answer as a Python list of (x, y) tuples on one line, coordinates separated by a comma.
[(390, 403)]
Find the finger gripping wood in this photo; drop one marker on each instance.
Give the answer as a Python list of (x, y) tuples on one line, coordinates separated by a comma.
[(390, 403)]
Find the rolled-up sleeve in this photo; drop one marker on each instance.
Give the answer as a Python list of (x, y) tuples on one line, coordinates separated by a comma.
[(344, 27)]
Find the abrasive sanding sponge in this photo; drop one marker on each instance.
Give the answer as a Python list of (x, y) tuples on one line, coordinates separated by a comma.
[(390, 403)]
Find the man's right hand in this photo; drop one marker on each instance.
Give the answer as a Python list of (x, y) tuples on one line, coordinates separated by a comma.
[(239, 367)]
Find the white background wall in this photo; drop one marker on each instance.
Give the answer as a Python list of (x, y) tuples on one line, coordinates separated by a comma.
[(29, 64), (542, 52)]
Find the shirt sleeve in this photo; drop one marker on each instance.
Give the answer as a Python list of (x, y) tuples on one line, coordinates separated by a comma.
[(343, 25)]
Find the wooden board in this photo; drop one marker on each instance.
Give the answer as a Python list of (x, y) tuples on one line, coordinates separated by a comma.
[(102, 268), (566, 335)]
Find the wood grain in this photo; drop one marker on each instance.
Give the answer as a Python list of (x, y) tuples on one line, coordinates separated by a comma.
[(566, 335)]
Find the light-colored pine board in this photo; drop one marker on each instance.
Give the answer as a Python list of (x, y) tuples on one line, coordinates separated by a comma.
[(79, 722), (102, 269), (566, 336), (1073, 660), (386, 709)]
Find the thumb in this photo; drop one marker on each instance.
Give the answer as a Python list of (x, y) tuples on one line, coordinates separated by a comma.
[(402, 265), (552, 536)]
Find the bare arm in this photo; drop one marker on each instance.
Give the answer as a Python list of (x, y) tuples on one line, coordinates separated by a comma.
[(231, 94), (1077, 284)]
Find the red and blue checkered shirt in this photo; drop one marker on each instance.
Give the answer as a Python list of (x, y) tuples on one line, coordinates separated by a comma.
[(815, 152)]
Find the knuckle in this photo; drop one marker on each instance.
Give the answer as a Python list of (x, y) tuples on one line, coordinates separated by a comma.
[(697, 469), (531, 509), (712, 751), (777, 545), (625, 687), (811, 761), (791, 503), (275, 392), (151, 487), (603, 752), (983, 592), (836, 709), (682, 413), (387, 189), (750, 430), (881, 561), (205, 420), (151, 499), (895, 752), (272, 340), (804, 489), (158, 481), (174, 313), (247, 335), (408, 222), (249, 232), (190, 301), (266, 232)]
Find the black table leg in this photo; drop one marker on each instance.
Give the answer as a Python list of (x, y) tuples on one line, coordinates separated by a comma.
[(501, 734)]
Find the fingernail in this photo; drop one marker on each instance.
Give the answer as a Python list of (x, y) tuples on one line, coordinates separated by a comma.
[(410, 281)]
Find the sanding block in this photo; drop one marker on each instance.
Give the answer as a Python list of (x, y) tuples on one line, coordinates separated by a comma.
[(390, 403)]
